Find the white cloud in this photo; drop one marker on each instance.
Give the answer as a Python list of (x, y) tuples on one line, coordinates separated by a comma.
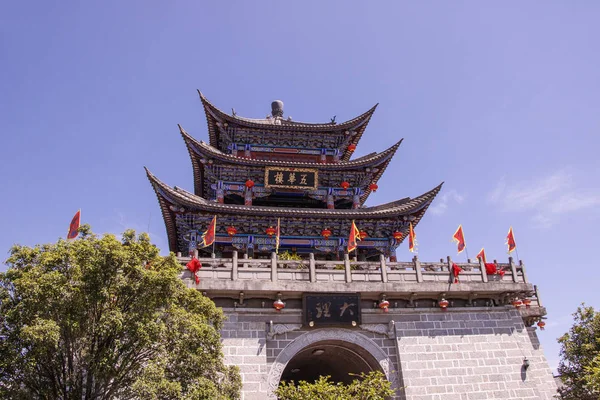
[(550, 197), (440, 206)]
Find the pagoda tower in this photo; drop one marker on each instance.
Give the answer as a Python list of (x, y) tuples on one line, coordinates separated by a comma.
[(256, 174), (300, 306)]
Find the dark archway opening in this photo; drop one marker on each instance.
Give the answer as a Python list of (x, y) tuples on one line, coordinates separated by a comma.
[(334, 358)]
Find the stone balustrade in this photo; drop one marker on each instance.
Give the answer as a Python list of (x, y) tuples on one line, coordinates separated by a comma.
[(414, 280), (347, 270)]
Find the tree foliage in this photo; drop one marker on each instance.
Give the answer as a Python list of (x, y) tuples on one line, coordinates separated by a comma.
[(99, 318), (370, 386), (579, 366)]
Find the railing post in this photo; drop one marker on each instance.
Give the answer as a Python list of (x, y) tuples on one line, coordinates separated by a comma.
[(484, 276), (234, 266), (179, 254), (245, 257), (273, 267), (196, 253), (523, 271), (383, 268), (537, 295), (347, 267), (418, 269), (311, 267), (450, 272), (513, 268)]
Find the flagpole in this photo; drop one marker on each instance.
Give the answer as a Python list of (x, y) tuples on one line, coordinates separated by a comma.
[(466, 247)]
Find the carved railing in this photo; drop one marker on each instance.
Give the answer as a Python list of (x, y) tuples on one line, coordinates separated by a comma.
[(347, 270)]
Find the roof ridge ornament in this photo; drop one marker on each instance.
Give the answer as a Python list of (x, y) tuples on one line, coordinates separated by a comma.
[(277, 109)]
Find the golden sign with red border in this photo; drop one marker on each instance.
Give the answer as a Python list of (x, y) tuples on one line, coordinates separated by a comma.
[(291, 178)]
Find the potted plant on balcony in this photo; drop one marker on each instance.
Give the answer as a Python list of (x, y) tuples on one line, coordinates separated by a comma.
[(287, 256)]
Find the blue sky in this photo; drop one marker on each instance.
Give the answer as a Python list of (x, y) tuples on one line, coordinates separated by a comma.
[(498, 99)]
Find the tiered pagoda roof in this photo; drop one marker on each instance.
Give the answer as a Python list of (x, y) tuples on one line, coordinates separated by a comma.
[(240, 177), (352, 171), (338, 136)]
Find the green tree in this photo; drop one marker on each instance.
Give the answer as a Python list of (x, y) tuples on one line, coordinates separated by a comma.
[(579, 366), (99, 318), (371, 386)]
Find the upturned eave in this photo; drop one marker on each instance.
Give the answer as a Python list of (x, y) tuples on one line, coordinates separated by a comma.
[(184, 198), (214, 115)]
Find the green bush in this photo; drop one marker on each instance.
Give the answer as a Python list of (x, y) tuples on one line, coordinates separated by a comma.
[(367, 386)]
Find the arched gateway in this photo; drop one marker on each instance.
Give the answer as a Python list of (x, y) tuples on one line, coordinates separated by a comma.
[(334, 352), (308, 277)]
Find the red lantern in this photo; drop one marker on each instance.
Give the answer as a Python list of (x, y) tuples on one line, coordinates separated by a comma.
[(351, 147), (270, 231), (363, 234), (527, 303), (326, 233), (397, 235), (373, 187), (384, 305), (231, 230), (443, 303), (249, 183), (278, 304), (517, 303), (541, 324), (345, 185)]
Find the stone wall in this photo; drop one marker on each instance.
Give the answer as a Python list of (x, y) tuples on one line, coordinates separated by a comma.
[(244, 345), (471, 355), (432, 355)]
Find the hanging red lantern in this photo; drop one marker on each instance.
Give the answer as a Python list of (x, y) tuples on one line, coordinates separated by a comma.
[(231, 230), (249, 183), (517, 303), (270, 231), (384, 305), (373, 187), (541, 324), (363, 234), (326, 233), (397, 235), (443, 303), (527, 303), (345, 185), (278, 304), (351, 147)]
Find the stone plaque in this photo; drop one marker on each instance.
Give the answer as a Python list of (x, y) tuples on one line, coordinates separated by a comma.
[(292, 178), (331, 309)]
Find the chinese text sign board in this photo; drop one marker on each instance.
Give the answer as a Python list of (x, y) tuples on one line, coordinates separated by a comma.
[(331, 309), (292, 178)]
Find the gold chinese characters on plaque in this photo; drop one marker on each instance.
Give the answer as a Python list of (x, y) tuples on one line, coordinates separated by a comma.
[(291, 178)]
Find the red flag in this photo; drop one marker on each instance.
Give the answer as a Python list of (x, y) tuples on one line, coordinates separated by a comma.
[(194, 265), (492, 269), (353, 238), (459, 238), (208, 237), (412, 238), (510, 241), (481, 255), (74, 226), (455, 271)]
